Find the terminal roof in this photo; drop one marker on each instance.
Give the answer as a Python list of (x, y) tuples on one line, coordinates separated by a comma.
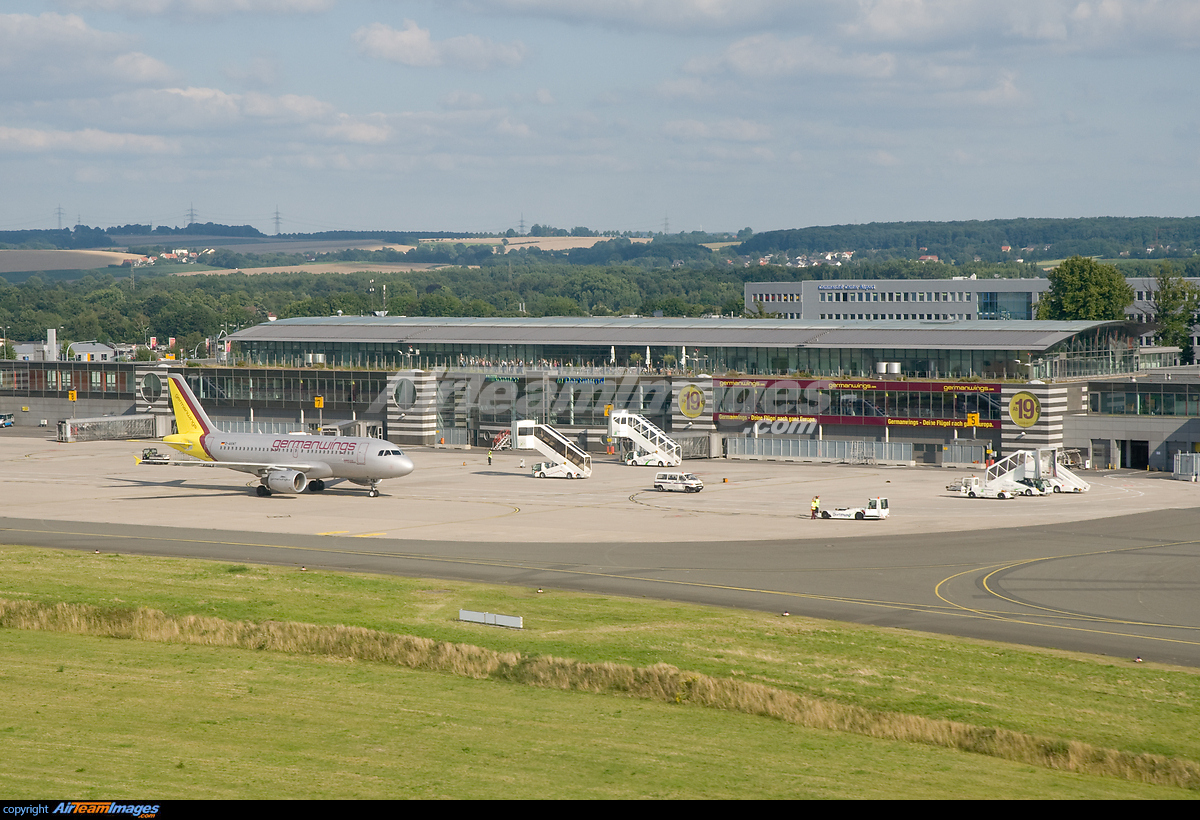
[(932, 334)]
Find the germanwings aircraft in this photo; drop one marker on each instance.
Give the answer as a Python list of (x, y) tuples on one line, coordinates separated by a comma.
[(289, 463)]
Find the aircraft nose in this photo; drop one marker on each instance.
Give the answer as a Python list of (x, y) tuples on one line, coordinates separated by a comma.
[(404, 466)]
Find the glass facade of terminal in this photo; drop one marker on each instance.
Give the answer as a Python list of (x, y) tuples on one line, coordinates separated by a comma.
[(861, 402), (1091, 353), (1144, 399)]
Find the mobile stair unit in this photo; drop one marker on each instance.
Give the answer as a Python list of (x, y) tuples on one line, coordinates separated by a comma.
[(1043, 466), (1052, 467), (1008, 472), (652, 447), (564, 457)]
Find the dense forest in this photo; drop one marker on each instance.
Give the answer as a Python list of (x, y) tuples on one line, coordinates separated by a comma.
[(1028, 239)]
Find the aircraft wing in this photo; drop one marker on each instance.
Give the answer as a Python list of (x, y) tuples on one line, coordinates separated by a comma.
[(243, 466)]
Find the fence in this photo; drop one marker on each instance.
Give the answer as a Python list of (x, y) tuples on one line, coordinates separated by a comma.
[(454, 437), (694, 446), (957, 453), (106, 428), (807, 449), (1187, 466)]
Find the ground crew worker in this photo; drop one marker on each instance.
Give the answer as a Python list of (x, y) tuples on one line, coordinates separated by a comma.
[(816, 506), (489, 458)]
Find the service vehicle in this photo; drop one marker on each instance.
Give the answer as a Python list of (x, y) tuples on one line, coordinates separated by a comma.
[(1058, 485), (152, 454), (686, 482), (1033, 486), (6, 419), (551, 469), (973, 486), (877, 508), (637, 458)]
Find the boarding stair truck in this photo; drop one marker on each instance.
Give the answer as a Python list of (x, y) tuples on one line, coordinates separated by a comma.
[(1051, 465), (652, 447), (1008, 473), (973, 486), (564, 458)]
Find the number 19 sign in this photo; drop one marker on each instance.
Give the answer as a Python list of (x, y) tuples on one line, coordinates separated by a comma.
[(1024, 409)]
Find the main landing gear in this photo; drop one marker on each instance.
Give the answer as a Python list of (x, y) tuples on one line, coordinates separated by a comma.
[(316, 485)]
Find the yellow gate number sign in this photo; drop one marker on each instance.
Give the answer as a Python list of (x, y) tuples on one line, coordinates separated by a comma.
[(1024, 409), (319, 402), (972, 419), (72, 396), (691, 401)]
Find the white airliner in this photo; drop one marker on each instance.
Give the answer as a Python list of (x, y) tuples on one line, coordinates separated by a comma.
[(289, 463)]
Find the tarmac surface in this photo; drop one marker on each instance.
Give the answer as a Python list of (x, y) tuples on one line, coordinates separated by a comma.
[(1113, 571)]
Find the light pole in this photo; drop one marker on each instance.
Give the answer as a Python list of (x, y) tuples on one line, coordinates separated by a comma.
[(67, 353)]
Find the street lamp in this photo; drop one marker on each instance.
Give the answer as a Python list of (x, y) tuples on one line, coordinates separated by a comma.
[(67, 353)]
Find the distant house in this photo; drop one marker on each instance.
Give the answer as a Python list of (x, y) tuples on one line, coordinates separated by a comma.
[(929, 258), (91, 352), (1006, 248)]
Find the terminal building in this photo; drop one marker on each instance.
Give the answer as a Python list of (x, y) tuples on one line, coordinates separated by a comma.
[(940, 388)]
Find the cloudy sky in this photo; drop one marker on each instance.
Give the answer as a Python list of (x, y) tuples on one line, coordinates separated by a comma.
[(624, 114)]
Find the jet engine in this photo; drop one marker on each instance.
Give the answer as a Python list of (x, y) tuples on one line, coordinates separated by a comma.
[(286, 481)]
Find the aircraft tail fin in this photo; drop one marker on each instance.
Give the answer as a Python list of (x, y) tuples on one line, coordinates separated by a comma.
[(191, 421)]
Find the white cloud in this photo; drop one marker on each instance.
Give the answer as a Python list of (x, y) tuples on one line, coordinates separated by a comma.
[(1075, 24), (86, 141), (671, 15), (61, 53), (200, 8), (414, 46), (350, 129), (765, 55)]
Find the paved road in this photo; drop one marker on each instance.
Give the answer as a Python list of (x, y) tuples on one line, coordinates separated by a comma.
[(1122, 586)]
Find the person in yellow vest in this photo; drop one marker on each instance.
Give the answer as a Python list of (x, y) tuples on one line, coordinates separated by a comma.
[(816, 506)]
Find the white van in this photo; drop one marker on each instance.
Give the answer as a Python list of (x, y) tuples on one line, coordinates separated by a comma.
[(678, 481)]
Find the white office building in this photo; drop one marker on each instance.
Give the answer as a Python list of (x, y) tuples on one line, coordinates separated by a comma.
[(960, 299)]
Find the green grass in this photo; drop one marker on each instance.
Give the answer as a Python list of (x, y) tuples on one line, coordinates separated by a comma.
[(1144, 708), (109, 719)]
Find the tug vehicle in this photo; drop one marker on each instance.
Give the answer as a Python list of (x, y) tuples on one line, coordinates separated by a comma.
[(877, 508)]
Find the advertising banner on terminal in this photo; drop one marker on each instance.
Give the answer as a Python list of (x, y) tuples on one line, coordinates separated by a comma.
[(771, 406)]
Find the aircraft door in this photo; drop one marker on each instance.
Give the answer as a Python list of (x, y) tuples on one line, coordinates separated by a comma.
[(360, 451)]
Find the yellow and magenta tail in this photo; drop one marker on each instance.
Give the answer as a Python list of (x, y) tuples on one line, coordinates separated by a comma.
[(191, 422)]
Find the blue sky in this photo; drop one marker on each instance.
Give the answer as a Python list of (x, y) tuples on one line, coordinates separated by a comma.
[(621, 114)]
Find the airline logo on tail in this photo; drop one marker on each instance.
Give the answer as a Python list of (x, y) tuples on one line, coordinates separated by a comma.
[(190, 420)]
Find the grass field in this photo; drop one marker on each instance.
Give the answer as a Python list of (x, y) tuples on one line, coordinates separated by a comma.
[(105, 717)]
